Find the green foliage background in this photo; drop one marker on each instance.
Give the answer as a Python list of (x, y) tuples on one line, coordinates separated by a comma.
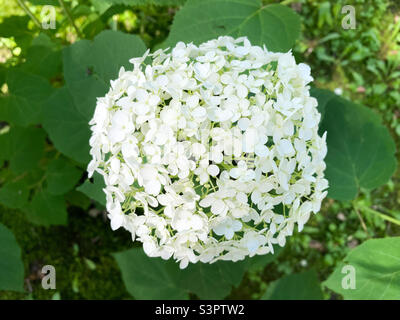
[(55, 216)]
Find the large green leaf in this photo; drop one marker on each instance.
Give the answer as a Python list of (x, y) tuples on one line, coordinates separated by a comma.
[(11, 266), (360, 149), (260, 261), (45, 2), (94, 190), (43, 60), (14, 194), (376, 263), (88, 68), (140, 2), (14, 26), (78, 199), (154, 278), (5, 143), (22, 104), (212, 281), (61, 176), (67, 127), (147, 278), (323, 96), (25, 148), (17, 27), (90, 65), (274, 25), (47, 209), (300, 286)]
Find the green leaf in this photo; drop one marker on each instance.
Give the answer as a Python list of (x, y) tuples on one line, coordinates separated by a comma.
[(323, 96), (93, 27), (376, 263), (78, 199), (94, 190), (45, 2), (22, 105), (274, 25), (101, 6), (260, 261), (11, 266), (46, 209), (14, 26), (3, 72), (360, 149), (154, 278), (14, 194), (90, 65), (44, 40), (67, 127), (211, 281), (26, 146), (300, 286), (61, 176), (17, 27), (43, 61), (88, 68), (5, 143), (149, 278), (141, 2), (81, 10)]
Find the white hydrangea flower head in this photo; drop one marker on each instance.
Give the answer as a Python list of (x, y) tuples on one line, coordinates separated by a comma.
[(210, 152)]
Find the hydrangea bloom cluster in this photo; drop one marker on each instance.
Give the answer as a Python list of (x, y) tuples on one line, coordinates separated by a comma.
[(210, 152)]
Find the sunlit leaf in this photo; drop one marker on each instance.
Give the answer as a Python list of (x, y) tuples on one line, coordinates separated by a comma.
[(274, 25), (375, 268), (22, 104)]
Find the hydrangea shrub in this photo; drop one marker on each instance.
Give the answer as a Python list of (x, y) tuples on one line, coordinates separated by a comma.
[(213, 150), (203, 145)]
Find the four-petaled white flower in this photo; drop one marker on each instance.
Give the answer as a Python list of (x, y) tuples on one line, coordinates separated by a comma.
[(121, 126), (228, 228)]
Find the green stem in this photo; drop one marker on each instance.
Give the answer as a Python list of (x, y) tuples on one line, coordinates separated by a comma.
[(381, 215), (363, 225), (395, 31), (29, 13), (286, 2), (71, 20)]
